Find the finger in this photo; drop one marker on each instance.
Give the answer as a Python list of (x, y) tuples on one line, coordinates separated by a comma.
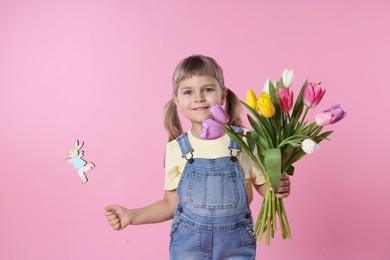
[(111, 217), (110, 208), (110, 213), (115, 222), (285, 183), (117, 226), (284, 176), (282, 195), (283, 189)]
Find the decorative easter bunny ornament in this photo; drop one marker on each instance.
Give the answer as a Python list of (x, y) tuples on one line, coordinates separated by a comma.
[(75, 158)]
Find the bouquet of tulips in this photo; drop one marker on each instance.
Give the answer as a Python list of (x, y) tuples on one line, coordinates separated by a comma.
[(279, 138)]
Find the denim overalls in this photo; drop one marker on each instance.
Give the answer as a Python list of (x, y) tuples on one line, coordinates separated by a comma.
[(213, 219)]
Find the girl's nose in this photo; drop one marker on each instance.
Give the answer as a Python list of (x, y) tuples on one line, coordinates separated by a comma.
[(199, 97)]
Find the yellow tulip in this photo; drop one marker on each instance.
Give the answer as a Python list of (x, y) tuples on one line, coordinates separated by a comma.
[(265, 105), (251, 99)]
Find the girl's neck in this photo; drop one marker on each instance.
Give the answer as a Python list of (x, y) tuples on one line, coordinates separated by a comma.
[(195, 130)]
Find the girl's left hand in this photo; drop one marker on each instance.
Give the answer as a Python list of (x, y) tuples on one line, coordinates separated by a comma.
[(284, 188)]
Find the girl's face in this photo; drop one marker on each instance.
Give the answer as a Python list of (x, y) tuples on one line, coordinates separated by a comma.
[(195, 96)]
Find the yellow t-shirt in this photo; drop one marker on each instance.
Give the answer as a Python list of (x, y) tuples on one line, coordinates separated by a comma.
[(174, 162)]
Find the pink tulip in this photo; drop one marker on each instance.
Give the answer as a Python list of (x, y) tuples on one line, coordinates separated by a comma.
[(286, 99), (219, 114), (313, 94), (211, 129), (330, 116)]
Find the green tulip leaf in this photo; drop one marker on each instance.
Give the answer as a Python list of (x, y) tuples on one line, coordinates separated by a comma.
[(263, 122), (317, 131), (281, 82), (260, 129), (244, 146), (299, 130), (310, 128), (261, 143), (296, 157), (292, 139), (294, 144), (273, 92), (251, 143), (298, 106), (290, 170), (273, 166), (323, 136), (287, 153)]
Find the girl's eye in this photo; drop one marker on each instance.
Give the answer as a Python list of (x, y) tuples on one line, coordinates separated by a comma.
[(208, 89), (187, 92)]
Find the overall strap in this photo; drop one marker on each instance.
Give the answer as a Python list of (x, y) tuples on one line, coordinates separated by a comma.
[(234, 145), (185, 147)]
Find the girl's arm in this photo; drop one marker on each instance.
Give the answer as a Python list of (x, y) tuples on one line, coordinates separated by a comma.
[(284, 189), (159, 211), (261, 189)]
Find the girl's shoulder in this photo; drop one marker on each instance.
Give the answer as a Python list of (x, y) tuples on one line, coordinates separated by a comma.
[(173, 154), (172, 145)]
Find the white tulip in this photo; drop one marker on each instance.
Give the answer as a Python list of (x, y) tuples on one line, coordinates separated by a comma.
[(266, 85), (288, 78), (309, 146)]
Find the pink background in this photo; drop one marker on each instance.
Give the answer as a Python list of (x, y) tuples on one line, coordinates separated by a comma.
[(100, 71)]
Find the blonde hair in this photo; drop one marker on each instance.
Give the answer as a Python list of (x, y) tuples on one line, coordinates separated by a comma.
[(199, 65)]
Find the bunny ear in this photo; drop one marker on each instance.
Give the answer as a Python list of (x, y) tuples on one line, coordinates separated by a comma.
[(78, 145)]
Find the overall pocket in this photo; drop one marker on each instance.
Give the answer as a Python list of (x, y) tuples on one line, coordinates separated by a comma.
[(176, 226), (215, 190), (248, 236)]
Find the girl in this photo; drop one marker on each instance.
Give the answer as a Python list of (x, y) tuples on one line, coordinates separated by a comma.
[(208, 183)]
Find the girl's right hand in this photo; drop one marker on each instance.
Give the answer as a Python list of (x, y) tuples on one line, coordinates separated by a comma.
[(118, 216)]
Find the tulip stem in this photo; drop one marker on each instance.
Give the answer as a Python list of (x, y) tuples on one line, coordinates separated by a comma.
[(284, 119), (304, 115), (273, 213), (288, 230), (288, 116)]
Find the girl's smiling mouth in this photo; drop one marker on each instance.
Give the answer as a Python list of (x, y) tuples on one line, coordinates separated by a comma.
[(200, 108)]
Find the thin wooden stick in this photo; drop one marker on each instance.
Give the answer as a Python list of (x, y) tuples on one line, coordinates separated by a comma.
[(99, 195)]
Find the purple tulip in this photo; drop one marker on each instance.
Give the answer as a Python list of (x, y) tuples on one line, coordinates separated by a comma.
[(313, 94), (211, 129), (219, 114), (330, 116), (286, 99)]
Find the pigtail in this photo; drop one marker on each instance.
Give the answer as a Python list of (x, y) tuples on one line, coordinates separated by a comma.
[(233, 108), (172, 121)]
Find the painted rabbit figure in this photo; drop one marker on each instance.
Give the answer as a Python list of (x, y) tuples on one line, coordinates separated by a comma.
[(75, 158)]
